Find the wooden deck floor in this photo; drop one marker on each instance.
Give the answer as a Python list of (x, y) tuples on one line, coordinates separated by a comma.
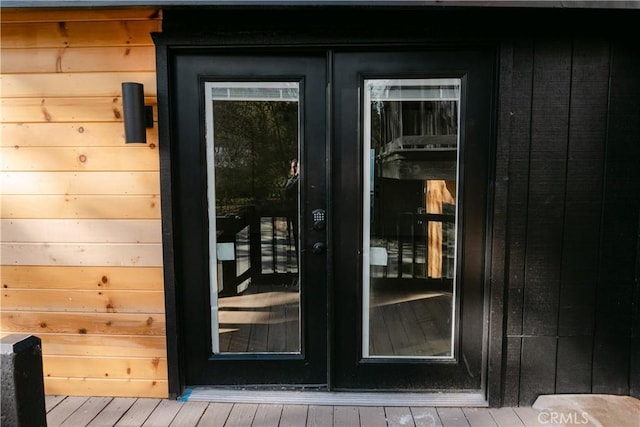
[(266, 318), (104, 411)]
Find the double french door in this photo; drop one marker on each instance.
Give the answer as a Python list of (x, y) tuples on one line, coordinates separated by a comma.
[(330, 217)]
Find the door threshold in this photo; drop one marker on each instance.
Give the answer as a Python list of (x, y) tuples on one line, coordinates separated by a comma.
[(334, 398)]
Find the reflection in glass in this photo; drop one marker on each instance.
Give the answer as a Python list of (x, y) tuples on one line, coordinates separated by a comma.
[(411, 144), (252, 139)]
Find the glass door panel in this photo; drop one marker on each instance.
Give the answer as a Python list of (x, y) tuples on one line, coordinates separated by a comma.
[(411, 141), (253, 138)]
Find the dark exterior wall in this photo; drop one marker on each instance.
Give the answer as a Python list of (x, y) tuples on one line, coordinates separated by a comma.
[(568, 173), (565, 250)]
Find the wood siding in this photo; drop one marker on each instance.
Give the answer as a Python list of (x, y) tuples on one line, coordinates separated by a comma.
[(81, 244), (569, 152)]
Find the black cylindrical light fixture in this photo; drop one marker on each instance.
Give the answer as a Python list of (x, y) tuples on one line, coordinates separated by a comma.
[(134, 112)]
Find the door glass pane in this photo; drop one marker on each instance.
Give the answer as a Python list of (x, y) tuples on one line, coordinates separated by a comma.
[(252, 190), (411, 136)]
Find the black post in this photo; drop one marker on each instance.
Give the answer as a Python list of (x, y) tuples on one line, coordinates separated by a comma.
[(22, 382)]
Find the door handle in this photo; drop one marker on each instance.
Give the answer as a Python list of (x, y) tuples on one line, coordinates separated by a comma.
[(318, 247)]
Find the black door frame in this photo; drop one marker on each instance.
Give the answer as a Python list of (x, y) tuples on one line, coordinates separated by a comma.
[(178, 36)]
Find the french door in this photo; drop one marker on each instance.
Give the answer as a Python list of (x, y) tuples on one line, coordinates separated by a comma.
[(412, 133), (251, 144), (330, 217)]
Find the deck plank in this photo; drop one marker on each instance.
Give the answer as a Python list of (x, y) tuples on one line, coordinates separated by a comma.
[(215, 415), (320, 416), (424, 416), (51, 401), (372, 416), (292, 326), (64, 410), (267, 415), (528, 416), (505, 417), (294, 415), (276, 332), (453, 417), (189, 414), (74, 411), (138, 413), (479, 417), (241, 415), (87, 412), (112, 413), (346, 416), (399, 417), (163, 414)]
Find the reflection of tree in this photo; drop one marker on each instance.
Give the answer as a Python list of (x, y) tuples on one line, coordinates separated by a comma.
[(254, 143)]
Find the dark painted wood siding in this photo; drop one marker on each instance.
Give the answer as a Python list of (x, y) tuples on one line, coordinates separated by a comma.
[(569, 152), (563, 271)]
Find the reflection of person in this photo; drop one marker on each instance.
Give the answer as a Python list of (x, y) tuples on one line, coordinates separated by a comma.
[(291, 200)]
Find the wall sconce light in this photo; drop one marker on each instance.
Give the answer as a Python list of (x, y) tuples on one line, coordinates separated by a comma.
[(137, 116)]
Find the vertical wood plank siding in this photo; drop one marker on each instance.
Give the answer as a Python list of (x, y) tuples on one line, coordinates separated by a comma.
[(81, 247), (573, 216)]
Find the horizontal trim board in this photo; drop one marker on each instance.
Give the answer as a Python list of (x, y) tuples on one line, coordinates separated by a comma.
[(134, 255), (81, 231), (203, 394), (89, 109), (65, 15), (83, 278), (80, 183), (397, 3), (84, 323), (143, 158), (76, 301), (56, 85), (105, 387), (78, 34), (78, 60), (80, 207), (105, 367)]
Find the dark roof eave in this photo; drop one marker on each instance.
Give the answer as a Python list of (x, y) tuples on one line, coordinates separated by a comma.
[(577, 4)]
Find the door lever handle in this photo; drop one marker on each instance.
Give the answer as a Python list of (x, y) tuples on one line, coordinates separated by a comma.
[(318, 247)]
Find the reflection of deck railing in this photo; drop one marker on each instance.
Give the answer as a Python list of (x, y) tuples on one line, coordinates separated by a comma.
[(420, 143), (264, 248), (277, 246), (422, 246), (419, 157)]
